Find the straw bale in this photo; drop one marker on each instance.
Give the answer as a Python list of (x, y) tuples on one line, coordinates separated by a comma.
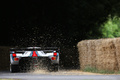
[(103, 54), (117, 45), (4, 58)]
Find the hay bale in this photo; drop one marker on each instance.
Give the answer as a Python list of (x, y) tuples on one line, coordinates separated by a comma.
[(85, 49), (4, 58), (117, 45), (104, 54)]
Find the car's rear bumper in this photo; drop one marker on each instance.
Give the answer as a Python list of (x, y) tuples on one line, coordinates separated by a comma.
[(34, 61)]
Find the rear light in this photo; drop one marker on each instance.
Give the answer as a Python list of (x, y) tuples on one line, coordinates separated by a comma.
[(16, 59), (53, 58), (55, 54), (14, 55)]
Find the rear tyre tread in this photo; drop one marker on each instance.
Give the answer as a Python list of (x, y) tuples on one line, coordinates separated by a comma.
[(14, 68)]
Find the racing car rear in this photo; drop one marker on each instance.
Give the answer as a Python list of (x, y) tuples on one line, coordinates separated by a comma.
[(31, 58)]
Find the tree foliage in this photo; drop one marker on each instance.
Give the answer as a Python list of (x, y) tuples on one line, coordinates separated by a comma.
[(111, 28)]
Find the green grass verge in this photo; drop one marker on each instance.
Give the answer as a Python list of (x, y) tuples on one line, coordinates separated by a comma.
[(95, 70)]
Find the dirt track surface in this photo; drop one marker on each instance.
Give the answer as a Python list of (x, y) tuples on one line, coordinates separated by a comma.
[(64, 72), (60, 75)]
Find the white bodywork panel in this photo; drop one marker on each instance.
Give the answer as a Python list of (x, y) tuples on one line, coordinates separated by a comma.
[(29, 54)]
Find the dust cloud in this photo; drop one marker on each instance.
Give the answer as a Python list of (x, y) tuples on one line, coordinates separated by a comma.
[(62, 72)]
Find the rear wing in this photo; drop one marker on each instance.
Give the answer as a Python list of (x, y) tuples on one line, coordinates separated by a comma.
[(35, 48)]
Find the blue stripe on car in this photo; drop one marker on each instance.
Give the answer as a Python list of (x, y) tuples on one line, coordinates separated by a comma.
[(12, 57), (57, 54), (37, 53), (31, 53)]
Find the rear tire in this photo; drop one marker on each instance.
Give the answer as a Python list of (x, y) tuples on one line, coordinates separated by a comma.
[(56, 67), (14, 68), (53, 67)]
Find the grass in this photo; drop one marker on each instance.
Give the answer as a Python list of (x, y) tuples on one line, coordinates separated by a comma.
[(118, 72), (95, 70)]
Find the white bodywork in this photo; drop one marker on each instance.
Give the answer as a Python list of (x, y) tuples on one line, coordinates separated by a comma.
[(26, 53)]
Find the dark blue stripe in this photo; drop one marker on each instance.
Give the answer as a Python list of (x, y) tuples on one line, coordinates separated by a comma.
[(12, 57), (37, 53), (31, 53)]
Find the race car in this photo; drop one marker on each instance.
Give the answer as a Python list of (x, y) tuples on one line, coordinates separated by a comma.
[(31, 58)]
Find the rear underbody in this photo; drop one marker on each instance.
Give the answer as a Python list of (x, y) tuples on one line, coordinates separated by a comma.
[(33, 63)]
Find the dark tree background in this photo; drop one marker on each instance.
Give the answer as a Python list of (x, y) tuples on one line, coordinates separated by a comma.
[(61, 23)]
